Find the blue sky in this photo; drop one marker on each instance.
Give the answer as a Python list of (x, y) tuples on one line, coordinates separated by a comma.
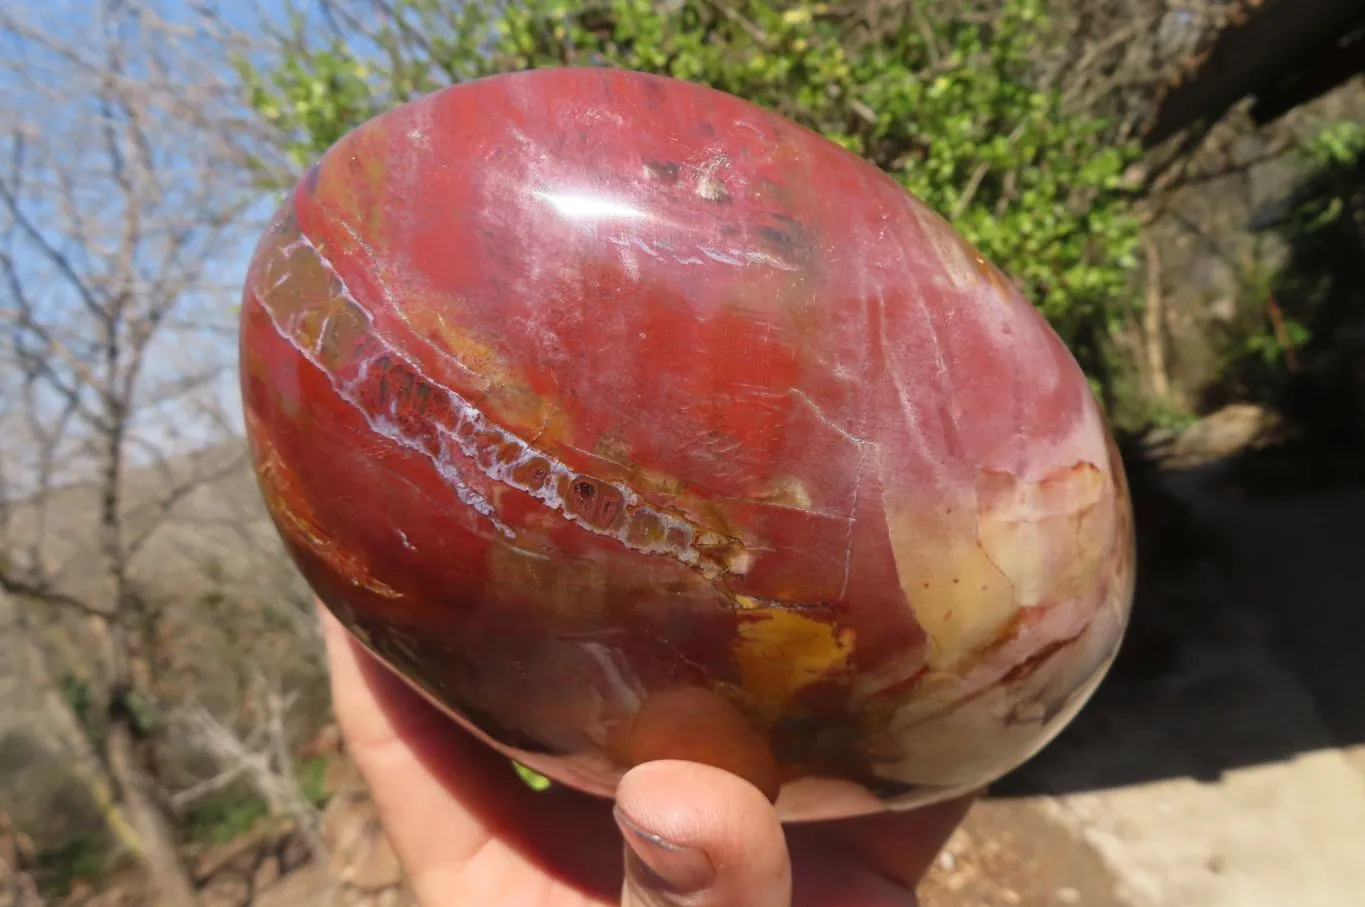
[(27, 80)]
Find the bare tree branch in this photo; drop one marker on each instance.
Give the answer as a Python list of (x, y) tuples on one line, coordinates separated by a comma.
[(122, 197), (261, 754)]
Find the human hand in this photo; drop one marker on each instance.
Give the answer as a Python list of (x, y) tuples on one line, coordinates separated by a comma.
[(467, 831)]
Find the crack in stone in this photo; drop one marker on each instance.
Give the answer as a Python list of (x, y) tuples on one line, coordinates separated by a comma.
[(852, 522), (820, 414), (402, 403)]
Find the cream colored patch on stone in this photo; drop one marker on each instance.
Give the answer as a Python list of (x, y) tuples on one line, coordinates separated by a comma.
[(1046, 537), (961, 599), (961, 746), (958, 731), (788, 491)]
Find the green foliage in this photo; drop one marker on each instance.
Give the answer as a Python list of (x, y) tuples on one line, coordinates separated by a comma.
[(940, 100), (81, 699), (1338, 150), (84, 857), (224, 815), (311, 774), (533, 779), (145, 712), (321, 94), (1285, 347), (1338, 144), (141, 708)]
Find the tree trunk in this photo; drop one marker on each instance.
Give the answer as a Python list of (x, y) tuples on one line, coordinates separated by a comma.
[(119, 784), (159, 848), (1154, 326), (67, 731), (88, 769)]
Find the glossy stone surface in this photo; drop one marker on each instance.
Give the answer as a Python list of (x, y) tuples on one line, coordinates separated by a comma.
[(629, 421)]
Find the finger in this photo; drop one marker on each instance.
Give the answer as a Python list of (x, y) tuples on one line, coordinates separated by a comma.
[(385, 728), (692, 724), (450, 804), (701, 837)]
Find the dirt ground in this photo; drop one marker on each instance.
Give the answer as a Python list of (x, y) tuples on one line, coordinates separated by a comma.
[(1009, 854), (1006, 854)]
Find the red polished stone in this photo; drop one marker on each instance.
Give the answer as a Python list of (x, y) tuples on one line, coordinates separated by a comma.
[(627, 421)]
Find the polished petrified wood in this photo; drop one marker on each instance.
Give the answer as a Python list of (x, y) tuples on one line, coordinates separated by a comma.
[(627, 420)]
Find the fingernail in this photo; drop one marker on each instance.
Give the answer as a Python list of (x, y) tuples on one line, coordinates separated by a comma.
[(660, 865)]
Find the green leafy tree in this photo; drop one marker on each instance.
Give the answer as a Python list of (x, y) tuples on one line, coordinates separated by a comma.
[(1289, 347), (945, 100)]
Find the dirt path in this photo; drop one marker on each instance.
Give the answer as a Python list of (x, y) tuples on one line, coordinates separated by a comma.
[(1011, 854)]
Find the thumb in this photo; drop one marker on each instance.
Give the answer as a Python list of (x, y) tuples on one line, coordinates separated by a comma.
[(697, 836)]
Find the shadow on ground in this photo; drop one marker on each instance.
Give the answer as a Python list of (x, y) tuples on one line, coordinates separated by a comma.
[(1247, 643)]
